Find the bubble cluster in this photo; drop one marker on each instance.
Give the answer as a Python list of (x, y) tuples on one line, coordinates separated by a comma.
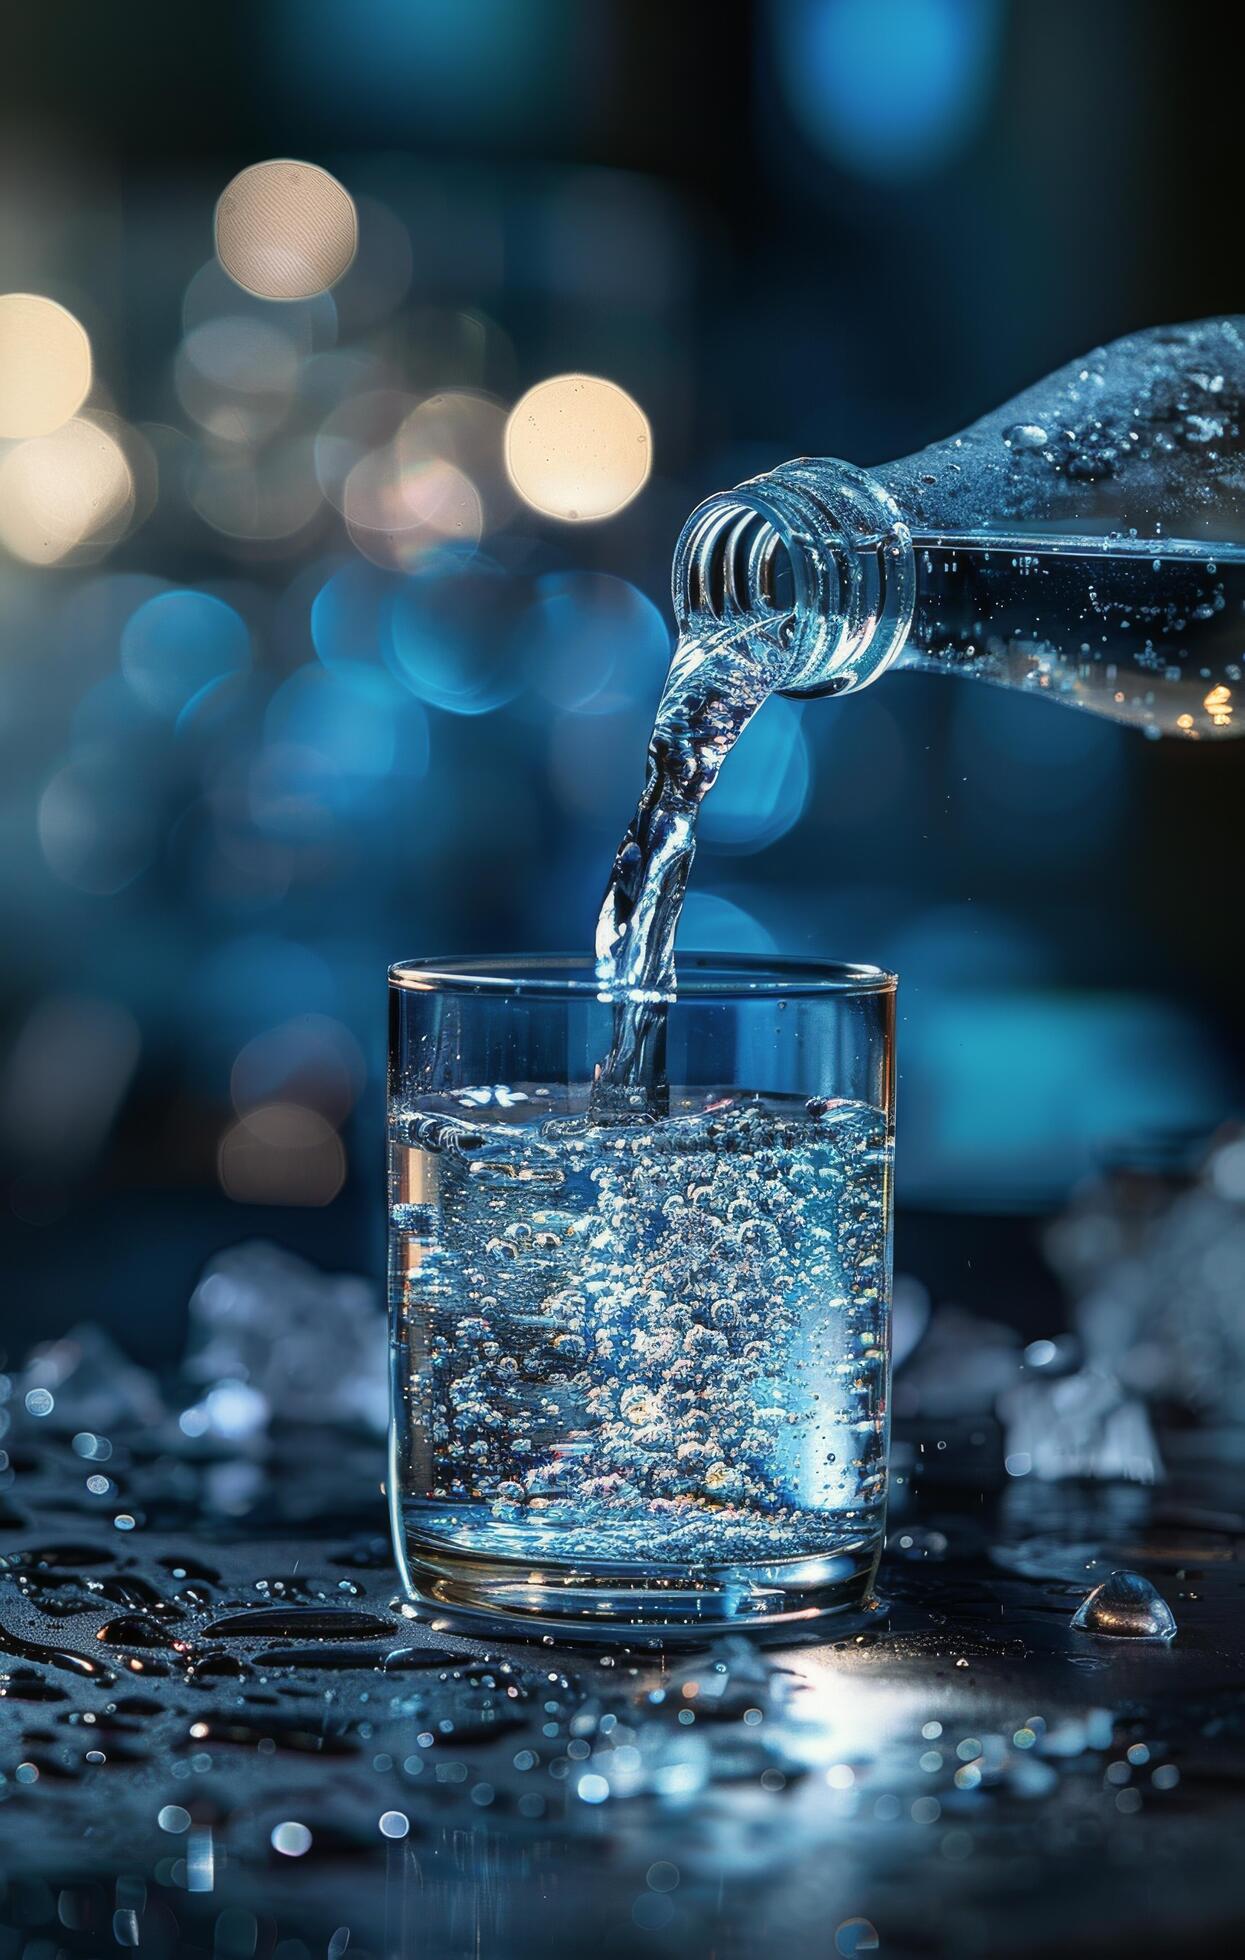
[(672, 1350)]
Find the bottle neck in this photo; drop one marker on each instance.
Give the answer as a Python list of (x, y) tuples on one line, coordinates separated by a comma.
[(816, 553)]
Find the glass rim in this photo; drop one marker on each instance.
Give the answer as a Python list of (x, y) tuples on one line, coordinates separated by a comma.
[(701, 976)]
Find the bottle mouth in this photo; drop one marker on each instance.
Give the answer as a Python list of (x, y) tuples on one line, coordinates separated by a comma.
[(816, 556)]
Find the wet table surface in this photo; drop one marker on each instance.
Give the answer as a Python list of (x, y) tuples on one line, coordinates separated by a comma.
[(220, 1735)]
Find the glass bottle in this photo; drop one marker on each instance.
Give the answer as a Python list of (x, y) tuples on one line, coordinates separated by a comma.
[(1085, 542)]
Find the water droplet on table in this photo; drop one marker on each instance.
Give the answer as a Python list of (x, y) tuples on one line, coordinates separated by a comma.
[(300, 1623), (1126, 1607)]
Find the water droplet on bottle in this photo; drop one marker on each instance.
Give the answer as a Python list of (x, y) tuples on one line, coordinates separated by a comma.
[(1126, 1607), (1026, 435)]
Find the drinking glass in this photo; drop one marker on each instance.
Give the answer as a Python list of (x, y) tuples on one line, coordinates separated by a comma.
[(640, 1364)]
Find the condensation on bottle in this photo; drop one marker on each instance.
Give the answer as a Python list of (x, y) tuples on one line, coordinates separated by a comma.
[(1086, 542)]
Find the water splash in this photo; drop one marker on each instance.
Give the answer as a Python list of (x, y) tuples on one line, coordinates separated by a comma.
[(715, 686)]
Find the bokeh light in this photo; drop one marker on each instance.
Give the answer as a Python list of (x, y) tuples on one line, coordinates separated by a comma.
[(395, 513), (589, 640), (66, 1076), (1069, 780), (350, 616), (1010, 1095), (762, 792), (468, 430), (888, 88), (64, 492), (286, 230), (236, 376), (96, 831), (248, 981), (380, 273), (449, 638), (312, 1060), (281, 1154), (596, 770), (711, 923), (45, 365), (578, 448), (358, 426), (310, 324), (350, 717), (179, 643), (264, 498)]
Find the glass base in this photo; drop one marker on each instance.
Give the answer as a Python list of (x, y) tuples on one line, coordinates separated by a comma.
[(640, 1605)]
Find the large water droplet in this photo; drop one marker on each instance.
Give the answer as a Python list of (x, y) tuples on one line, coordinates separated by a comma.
[(134, 1630), (300, 1623), (1026, 435), (1126, 1607)]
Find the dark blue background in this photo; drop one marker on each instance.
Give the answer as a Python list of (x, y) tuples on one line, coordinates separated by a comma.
[(830, 226)]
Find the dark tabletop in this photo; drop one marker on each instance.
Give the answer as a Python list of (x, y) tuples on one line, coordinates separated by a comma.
[(222, 1735)]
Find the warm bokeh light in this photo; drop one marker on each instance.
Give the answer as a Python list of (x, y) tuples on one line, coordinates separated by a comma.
[(1218, 705), (357, 427), (45, 365), (395, 515), (281, 1154), (578, 448), (466, 429), (286, 230), (65, 490)]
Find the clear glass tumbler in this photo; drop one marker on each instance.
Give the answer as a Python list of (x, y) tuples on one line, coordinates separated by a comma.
[(640, 1367)]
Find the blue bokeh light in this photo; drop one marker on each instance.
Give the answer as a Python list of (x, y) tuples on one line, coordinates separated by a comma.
[(355, 719), (714, 924), (588, 639), (178, 643), (450, 637), (1010, 1096), (887, 88), (350, 615), (761, 794)]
